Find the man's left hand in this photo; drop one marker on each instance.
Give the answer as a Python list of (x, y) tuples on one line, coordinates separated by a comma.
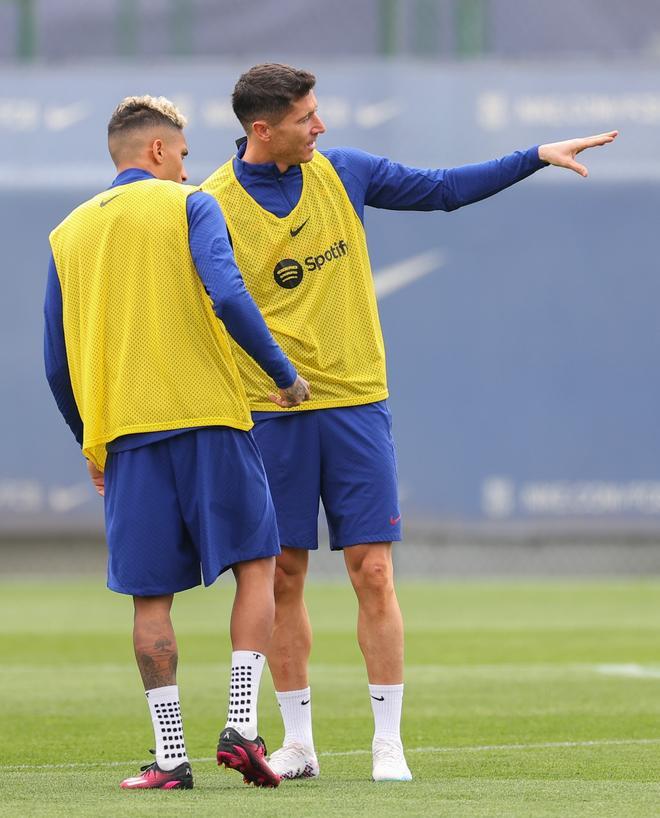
[(562, 154)]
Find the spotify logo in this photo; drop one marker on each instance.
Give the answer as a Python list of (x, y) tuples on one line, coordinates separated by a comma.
[(288, 273)]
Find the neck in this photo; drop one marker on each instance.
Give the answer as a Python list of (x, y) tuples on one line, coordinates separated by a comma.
[(122, 166), (258, 154)]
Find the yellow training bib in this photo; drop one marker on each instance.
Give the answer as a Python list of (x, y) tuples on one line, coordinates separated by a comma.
[(309, 273), (145, 350)]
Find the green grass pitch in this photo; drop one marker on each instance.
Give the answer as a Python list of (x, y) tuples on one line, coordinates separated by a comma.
[(522, 699)]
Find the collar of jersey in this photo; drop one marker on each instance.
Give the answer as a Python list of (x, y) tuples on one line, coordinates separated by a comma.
[(247, 171), (131, 175)]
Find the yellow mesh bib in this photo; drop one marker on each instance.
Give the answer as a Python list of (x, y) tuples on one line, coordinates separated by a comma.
[(309, 273), (145, 350)]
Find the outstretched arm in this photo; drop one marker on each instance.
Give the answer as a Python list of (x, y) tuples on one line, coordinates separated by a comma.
[(562, 154), (378, 182)]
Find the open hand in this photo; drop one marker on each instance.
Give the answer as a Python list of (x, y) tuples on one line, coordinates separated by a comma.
[(562, 154)]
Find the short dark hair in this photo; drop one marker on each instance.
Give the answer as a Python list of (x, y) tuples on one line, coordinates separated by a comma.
[(268, 91)]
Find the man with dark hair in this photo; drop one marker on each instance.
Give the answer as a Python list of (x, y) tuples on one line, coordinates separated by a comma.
[(264, 92), (295, 218), (141, 285)]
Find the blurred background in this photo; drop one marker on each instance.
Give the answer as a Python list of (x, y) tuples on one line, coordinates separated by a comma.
[(522, 332)]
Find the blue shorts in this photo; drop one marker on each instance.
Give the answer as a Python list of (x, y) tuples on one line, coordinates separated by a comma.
[(184, 508), (343, 456)]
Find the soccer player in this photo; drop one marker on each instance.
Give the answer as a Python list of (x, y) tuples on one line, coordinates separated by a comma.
[(295, 217), (141, 286)]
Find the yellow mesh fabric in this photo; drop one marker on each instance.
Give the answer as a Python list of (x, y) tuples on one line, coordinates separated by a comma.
[(310, 276), (144, 347)]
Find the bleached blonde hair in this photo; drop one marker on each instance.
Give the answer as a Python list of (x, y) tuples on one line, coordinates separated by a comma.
[(137, 113)]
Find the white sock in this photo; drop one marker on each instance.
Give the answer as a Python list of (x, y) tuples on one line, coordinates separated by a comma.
[(386, 702), (246, 669), (296, 708), (168, 726)]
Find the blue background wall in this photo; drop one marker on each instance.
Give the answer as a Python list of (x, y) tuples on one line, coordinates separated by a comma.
[(522, 332)]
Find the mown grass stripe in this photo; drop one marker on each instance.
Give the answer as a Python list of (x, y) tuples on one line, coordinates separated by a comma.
[(481, 748)]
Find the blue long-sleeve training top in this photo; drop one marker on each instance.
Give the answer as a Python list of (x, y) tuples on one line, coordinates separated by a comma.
[(378, 182), (214, 261)]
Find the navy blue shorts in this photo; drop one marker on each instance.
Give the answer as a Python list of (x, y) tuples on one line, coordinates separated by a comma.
[(184, 508), (344, 457)]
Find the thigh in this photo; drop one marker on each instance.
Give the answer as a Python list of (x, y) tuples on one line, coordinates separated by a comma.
[(359, 475), (224, 498), (149, 549), (290, 448)]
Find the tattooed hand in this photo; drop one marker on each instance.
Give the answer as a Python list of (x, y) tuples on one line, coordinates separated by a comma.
[(293, 395)]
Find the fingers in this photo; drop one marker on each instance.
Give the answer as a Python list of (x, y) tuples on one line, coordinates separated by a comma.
[(590, 142), (604, 138), (278, 400), (283, 403), (294, 395), (578, 168), (97, 477), (597, 140)]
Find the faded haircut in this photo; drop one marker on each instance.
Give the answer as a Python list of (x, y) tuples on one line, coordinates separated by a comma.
[(137, 113), (268, 90)]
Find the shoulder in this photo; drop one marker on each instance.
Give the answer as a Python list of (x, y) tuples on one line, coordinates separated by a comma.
[(78, 213), (220, 179), (353, 160), (165, 188)]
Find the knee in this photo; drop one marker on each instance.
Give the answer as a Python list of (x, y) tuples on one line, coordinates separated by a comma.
[(152, 612), (289, 580), (374, 577)]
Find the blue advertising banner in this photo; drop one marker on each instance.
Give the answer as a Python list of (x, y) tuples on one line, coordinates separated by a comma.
[(522, 332)]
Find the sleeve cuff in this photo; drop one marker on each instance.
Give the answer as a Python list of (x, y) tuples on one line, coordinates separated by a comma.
[(287, 378)]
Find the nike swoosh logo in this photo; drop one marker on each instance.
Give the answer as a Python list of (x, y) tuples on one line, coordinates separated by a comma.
[(379, 698), (395, 277), (394, 520), (63, 117), (294, 232), (107, 201), (304, 701), (378, 113)]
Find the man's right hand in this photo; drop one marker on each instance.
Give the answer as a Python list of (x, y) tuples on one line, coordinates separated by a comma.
[(293, 395), (98, 478)]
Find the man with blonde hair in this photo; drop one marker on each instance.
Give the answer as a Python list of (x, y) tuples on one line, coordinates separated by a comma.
[(142, 289)]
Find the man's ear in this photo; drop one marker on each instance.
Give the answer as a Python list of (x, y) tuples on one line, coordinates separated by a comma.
[(157, 151), (261, 129)]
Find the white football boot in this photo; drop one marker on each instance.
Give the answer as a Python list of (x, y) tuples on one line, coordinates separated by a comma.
[(389, 761), (294, 760)]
